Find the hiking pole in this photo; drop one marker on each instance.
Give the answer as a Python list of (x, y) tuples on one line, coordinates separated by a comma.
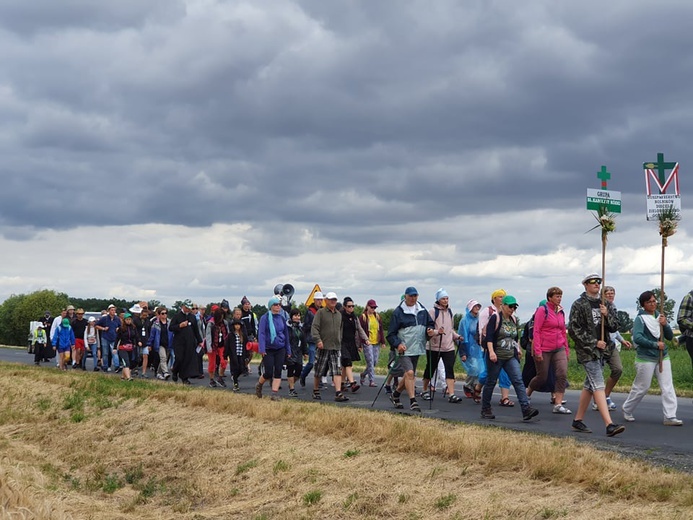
[(434, 379), (392, 365)]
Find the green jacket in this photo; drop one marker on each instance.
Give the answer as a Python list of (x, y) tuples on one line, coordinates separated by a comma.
[(327, 327), (585, 329), (645, 342)]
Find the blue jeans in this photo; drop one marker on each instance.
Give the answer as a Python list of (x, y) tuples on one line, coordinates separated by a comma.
[(512, 367), (107, 347), (94, 347), (311, 361)]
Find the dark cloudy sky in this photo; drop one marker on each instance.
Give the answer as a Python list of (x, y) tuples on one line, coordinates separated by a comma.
[(206, 149)]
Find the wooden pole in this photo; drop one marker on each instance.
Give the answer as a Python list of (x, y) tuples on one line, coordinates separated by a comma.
[(661, 304), (603, 277)]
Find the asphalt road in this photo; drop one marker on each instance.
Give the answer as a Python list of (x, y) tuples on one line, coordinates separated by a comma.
[(646, 438)]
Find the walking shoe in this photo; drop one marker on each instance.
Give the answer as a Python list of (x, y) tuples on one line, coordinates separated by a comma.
[(396, 401), (388, 389), (144, 376), (167, 376), (628, 416), (293, 393), (213, 383), (595, 407), (673, 422), (187, 382), (316, 395), (160, 377), (258, 390), (614, 429), (118, 370), (354, 386), (528, 413), (340, 397), (487, 413), (610, 404), (559, 408), (275, 397), (221, 382), (581, 427), (236, 388), (468, 392), (414, 406)]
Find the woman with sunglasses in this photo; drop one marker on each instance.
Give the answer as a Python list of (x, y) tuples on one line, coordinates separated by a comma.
[(503, 352), (647, 328)]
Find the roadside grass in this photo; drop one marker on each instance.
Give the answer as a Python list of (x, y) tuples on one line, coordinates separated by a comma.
[(164, 451)]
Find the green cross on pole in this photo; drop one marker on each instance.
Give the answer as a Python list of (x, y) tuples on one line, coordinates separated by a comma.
[(604, 176), (661, 166)]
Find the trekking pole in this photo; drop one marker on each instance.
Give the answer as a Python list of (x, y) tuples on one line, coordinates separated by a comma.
[(392, 365)]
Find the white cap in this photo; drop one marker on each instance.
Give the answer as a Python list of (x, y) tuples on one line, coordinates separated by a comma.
[(331, 296), (136, 309), (92, 319), (318, 296)]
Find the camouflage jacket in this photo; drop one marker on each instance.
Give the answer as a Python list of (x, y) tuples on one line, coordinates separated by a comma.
[(585, 329)]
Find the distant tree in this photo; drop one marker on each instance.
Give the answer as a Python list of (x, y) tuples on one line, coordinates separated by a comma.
[(18, 310), (153, 304), (669, 304), (259, 310), (625, 323)]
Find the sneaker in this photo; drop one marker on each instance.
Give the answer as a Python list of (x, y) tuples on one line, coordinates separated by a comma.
[(108, 369), (579, 426), (258, 390), (340, 397), (293, 393), (487, 413), (528, 413), (628, 416), (118, 370), (673, 422), (213, 383), (614, 429), (275, 397), (316, 395), (221, 382), (354, 386), (236, 388), (595, 407), (160, 377), (396, 401), (559, 408), (388, 389), (414, 406), (610, 404), (167, 376)]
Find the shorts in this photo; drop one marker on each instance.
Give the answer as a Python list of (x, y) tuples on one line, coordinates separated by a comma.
[(594, 376), (79, 344), (395, 366), (327, 359), (144, 351), (293, 370), (408, 363)]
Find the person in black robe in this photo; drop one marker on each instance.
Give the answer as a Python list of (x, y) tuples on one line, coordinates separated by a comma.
[(186, 341)]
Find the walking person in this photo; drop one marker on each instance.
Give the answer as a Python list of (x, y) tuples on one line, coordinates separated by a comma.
[(647, 328), (353, 337), (307, 325), (470, 352), (441, 347), (410, 327), (585, 326), (327, 334), (126, 344), (93, 342), (550, 348), (108, 325), (484, 316), (503, 352), (217, 342), (39, 342), (161, 341), (299, 351), (63, 342), (273, 344), (79, 325), (372, 324), (186, 341), (236, 352)]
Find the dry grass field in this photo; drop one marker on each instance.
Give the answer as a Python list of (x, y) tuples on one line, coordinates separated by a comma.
[(85, 446)]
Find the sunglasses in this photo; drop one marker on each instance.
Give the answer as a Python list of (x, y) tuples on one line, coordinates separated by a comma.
[(513, 306), (349, 306), (163, 313), (594, 281)]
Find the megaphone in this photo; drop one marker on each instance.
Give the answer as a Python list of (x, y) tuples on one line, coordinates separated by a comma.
[(288, 290)]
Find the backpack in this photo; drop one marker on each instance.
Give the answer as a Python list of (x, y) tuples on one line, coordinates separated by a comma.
[(528, 330), (499, 320)]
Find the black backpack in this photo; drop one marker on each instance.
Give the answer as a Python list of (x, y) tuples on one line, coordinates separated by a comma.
[(528, 330)]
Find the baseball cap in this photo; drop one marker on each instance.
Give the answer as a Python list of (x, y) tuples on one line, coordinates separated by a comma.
[(111, 306), (331, 296), (411, 291), (509, 300), (70, 307), (318, 296), (371, 303), (592, 276)]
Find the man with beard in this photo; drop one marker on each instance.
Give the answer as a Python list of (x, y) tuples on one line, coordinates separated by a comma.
[(186, 341)]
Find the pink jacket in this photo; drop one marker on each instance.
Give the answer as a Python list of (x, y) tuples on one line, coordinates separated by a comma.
[(549, 330)]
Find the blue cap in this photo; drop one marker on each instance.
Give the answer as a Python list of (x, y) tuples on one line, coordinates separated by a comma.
[(273, 301), (411, 291)]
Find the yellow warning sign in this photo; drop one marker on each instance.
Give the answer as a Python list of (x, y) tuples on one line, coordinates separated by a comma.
[(311, 296)]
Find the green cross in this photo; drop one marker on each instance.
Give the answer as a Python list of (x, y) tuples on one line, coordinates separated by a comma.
[(661, 166), (604, 176)]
